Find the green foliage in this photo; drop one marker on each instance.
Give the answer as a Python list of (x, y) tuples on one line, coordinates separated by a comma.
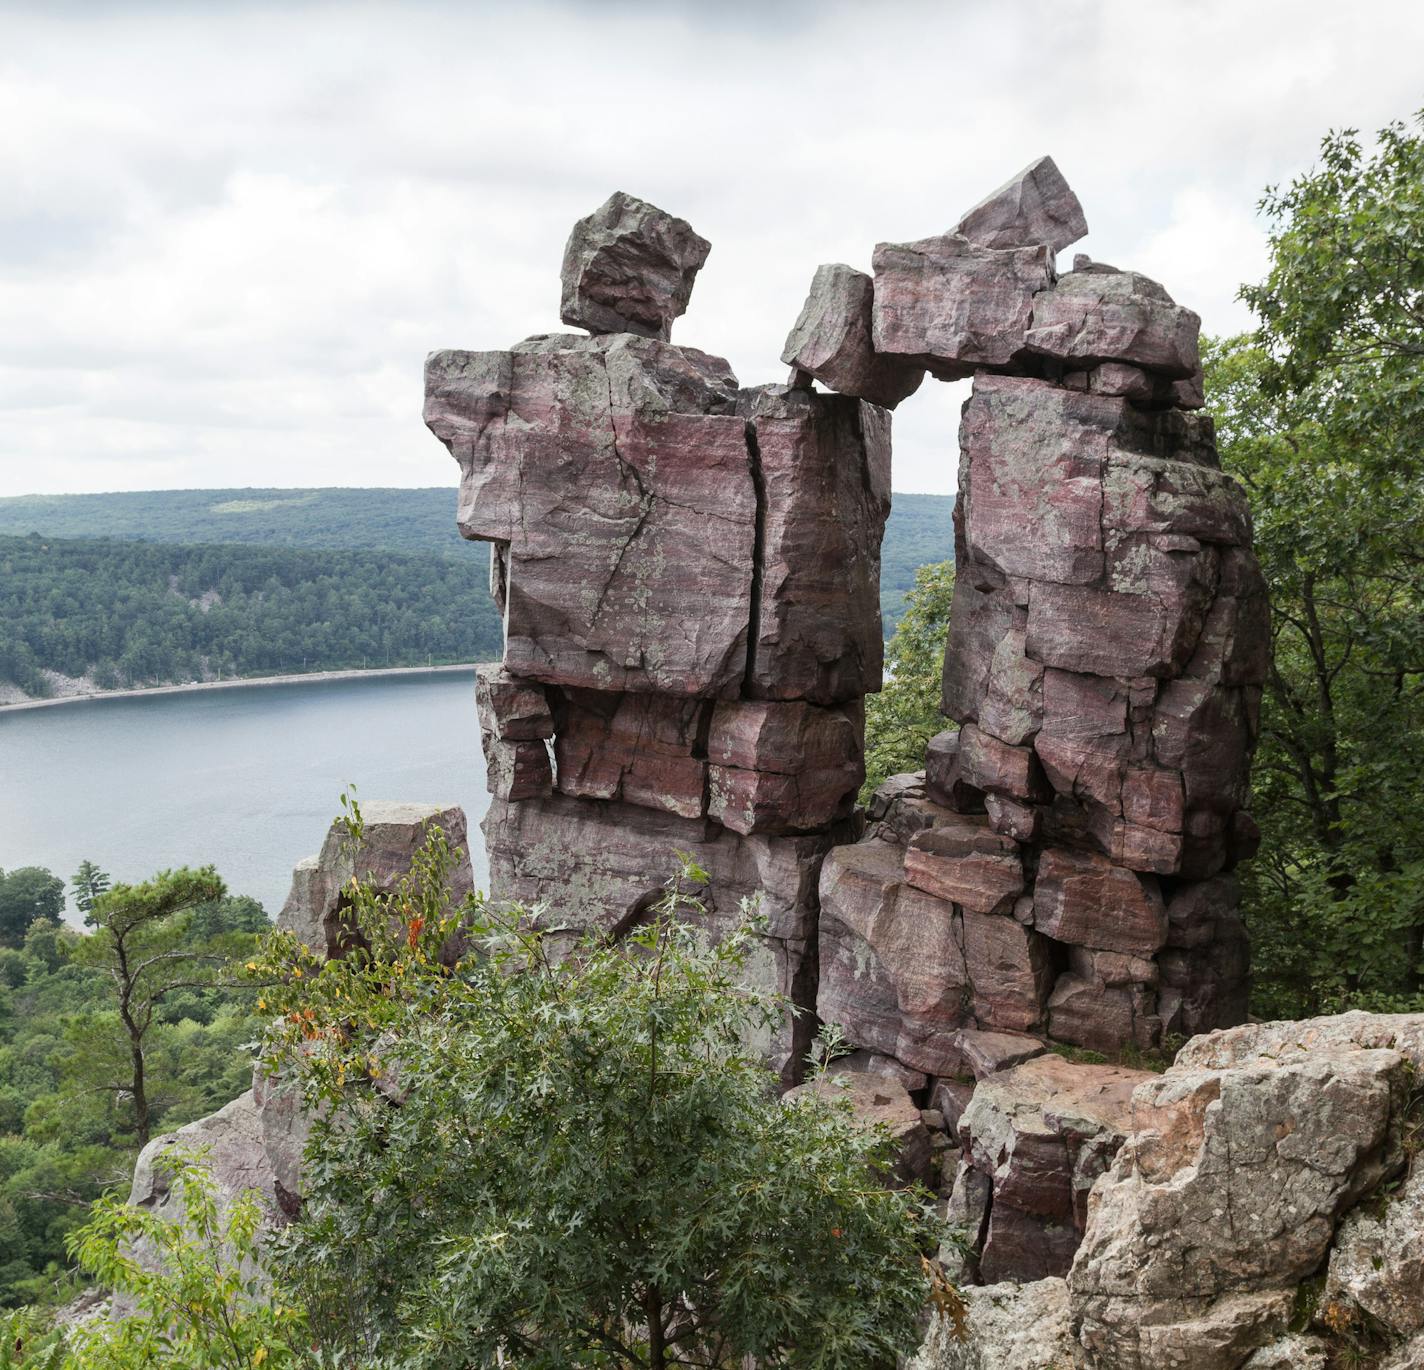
[(1321, 416), (1340, 310), (585, 1167), (919, 532), (137, 613), (200, 1299), (88, 884), (906, 713), (27, 894), (67, 1125)]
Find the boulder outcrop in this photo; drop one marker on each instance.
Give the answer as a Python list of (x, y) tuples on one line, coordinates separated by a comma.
[(1061, 867), (629, 267), (1233, 1189)]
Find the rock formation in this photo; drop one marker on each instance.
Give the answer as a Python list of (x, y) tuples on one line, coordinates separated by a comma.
[(689, 575), (1061, 866)]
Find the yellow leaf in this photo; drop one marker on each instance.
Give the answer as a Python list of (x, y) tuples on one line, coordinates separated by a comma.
[(259, 1355)]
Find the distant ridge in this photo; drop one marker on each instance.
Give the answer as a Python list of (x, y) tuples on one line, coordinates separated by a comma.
[(412, 521)]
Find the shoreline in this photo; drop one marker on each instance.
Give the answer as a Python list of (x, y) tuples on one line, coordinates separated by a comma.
[(240, 683)]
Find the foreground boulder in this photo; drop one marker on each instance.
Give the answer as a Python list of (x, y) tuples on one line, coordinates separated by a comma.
[(1006, 1327), (1230, 1192), (1040, 1133)]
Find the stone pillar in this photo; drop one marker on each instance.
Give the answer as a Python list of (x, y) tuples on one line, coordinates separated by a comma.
[(689, 576)]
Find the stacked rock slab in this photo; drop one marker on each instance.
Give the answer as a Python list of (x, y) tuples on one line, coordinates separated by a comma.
[(689, 577), (1061, 868)]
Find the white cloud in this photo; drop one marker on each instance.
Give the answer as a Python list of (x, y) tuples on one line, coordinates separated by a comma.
[(231, 233)]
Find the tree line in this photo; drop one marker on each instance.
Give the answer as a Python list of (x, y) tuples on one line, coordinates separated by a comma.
[(139, 613)]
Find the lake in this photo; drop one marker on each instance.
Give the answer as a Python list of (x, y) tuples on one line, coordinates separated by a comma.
[(245, 779)]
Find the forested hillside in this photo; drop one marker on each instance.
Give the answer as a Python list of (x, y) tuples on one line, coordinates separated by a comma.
[(135, 613), (176, 585)]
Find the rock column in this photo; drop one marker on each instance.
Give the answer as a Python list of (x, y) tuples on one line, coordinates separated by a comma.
[(689, 577)]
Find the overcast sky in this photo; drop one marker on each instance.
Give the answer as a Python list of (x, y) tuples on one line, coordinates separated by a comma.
[(229, 234)]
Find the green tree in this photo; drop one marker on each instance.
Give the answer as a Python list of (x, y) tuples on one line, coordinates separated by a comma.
[(200, 1298), (1321, 416), (906, 713), (142, 943), (27, 894), (585, 1168), (88, 883)]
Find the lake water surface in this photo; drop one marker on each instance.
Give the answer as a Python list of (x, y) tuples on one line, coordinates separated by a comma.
[(245, 779)]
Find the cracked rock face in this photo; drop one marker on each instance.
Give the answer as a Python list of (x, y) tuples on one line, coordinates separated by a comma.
[(617, 473), (629, 267), (1041, 1133), (689, 573), (952, 306), (822, 463)]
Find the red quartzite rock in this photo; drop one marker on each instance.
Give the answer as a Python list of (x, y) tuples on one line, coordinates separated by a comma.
[(952, 306), (513, 710), (1205, 967), (1042, 1132), (980, 614), (1083, 899), (617, 471), (1097, 313), (1036, 206), (1084, 1012), (1012, 710), (944, 777), (892, 963), (777, 766), (831, 341), (1009, 971), (985, 1052), (823, 462), (1032, 457), (901, 970), (968, 863), (516, 770), (998, 768), (638, 748), (629, 268)]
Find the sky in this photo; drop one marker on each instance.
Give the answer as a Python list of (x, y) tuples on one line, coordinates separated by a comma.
[(229, 233)]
